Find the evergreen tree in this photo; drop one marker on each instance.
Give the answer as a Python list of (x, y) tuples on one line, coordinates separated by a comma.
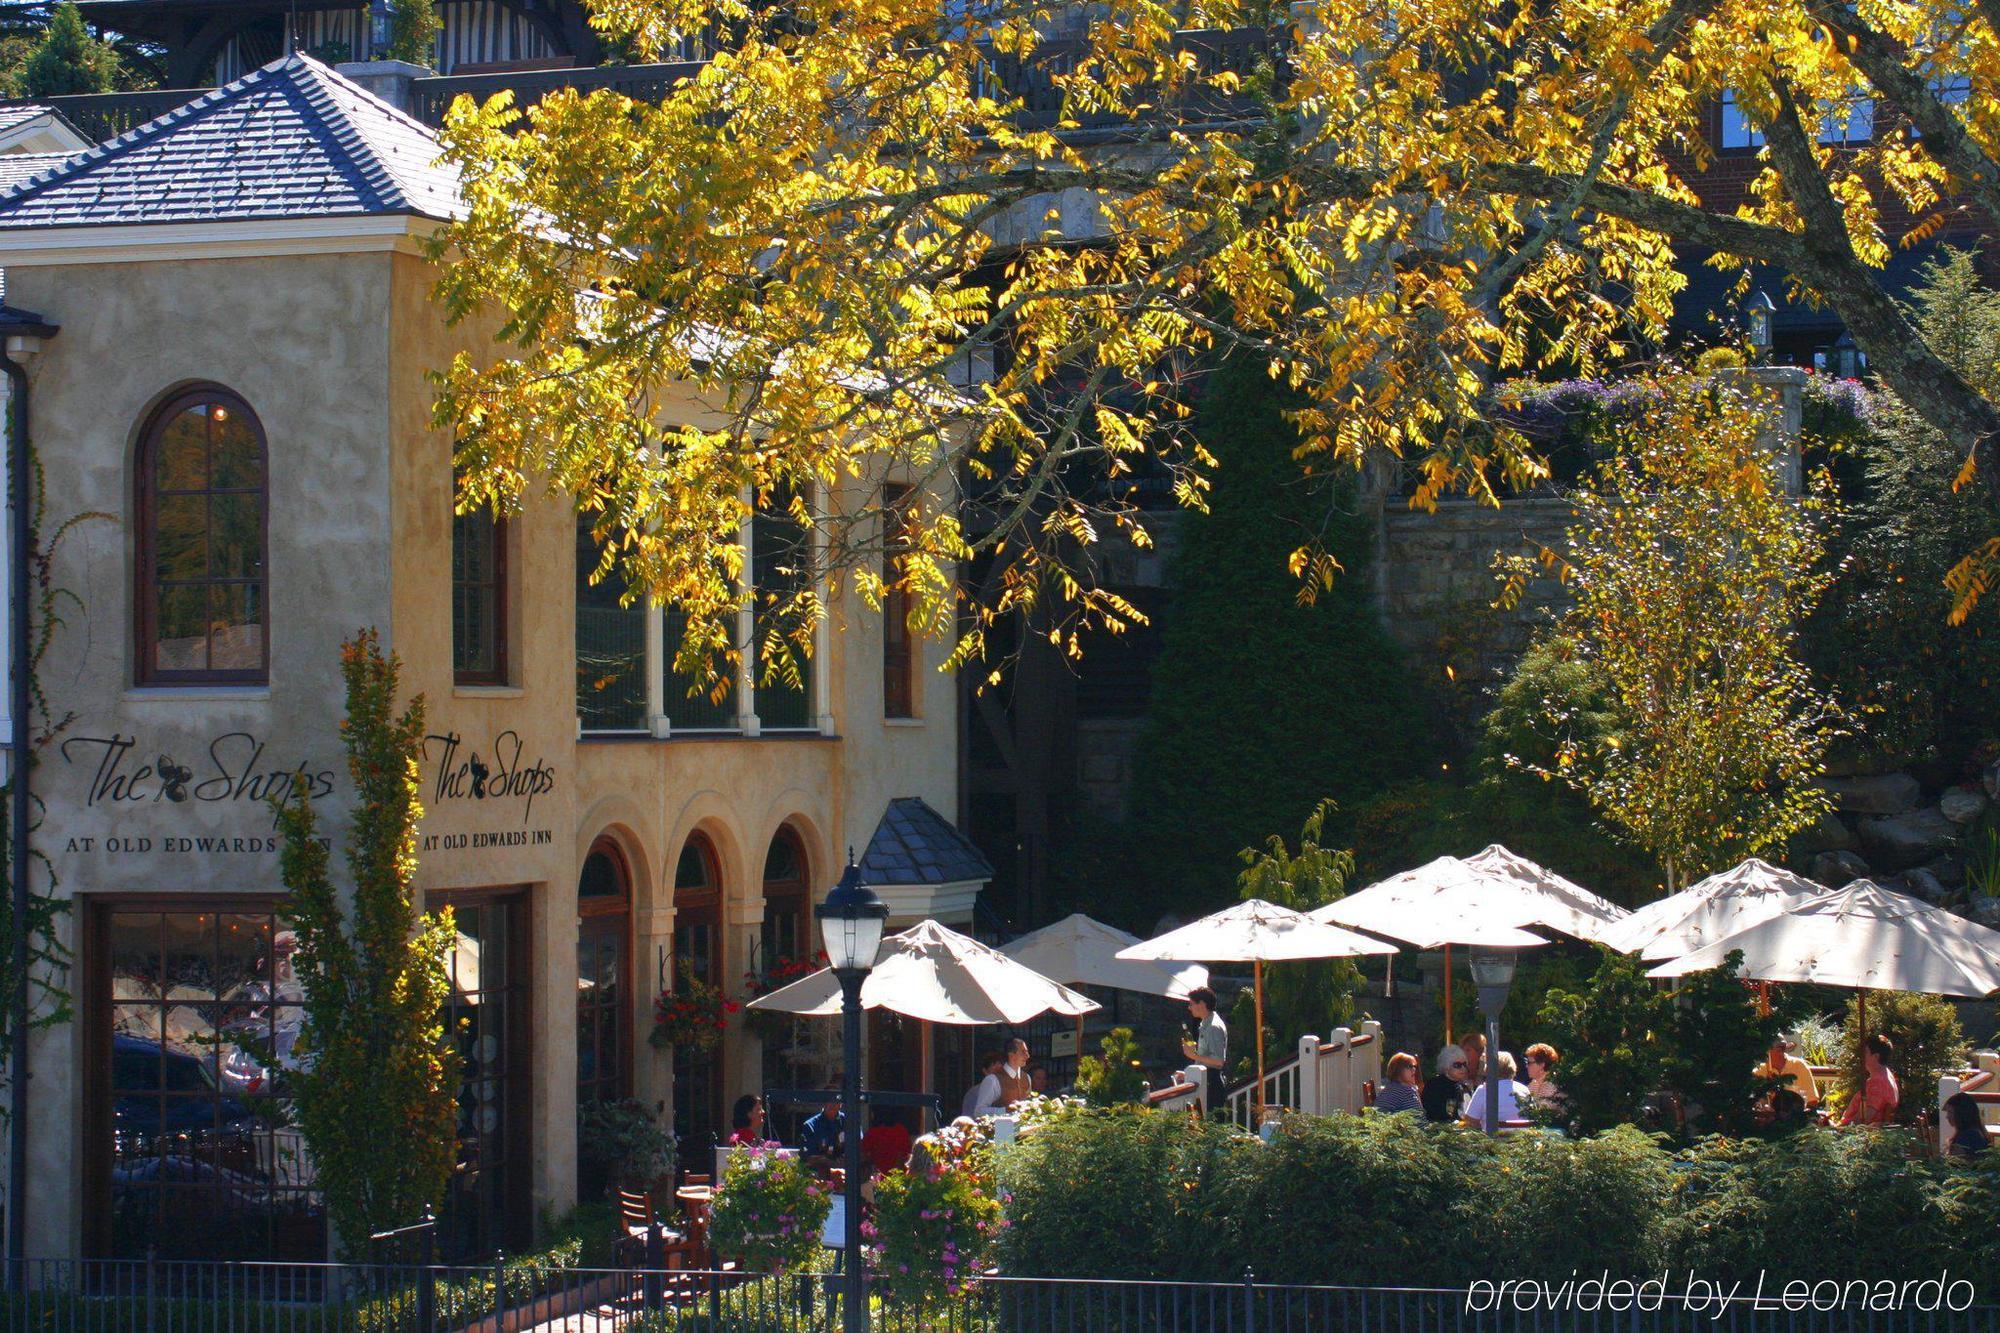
[(68, 59), (413, 30), (1719, 1040), (1262, 704), (376, 1090)]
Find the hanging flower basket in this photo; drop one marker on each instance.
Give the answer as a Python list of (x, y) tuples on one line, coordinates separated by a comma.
[(691, 1017), (769, 1025)]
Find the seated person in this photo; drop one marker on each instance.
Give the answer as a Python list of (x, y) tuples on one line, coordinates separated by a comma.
[(1790, 1072), (1968, 1132), (1879, 1098), (1512, 1094), (1542, 1061), (823, 1138), (1444, 1094), (746, 1121), (1788, 1112), (989, 1067), (886, 1145), (1399, 1085)]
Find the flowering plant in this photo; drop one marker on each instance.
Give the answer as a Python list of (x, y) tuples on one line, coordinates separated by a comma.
[(769, 1211), (935, 1223), (780, 971), (691, 1015)]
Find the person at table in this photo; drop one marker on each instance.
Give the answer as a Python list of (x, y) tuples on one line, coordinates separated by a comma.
[(746, 1121), (1210, 1047), (886, 1145), (1474, 1046), (1968, 1131), (1542, 1060), (823, 1138), (1444, 1094), (1788, 1071), (989, 1065), (1001, 1089), (1399, 1085), (1509, 1100), (1788, 1113), (1876, 1102)]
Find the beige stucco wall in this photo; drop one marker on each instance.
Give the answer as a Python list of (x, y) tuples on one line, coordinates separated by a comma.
[(331, 352), (131, 333)]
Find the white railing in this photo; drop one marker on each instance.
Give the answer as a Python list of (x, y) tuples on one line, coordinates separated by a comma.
[(1328, 1076), (1982, 1084), (1189, 1091)]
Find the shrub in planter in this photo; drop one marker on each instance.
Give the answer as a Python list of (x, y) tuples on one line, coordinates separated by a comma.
[(1117, 1078), (935, 1223), (769, 1210), (1119, 1193), (623, 1143)]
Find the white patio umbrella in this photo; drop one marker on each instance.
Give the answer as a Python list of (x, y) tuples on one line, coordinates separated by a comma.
[(1256, 932), (1711, 909), (1083, 951), (932, 973), (1486, 900), (1864, 937)]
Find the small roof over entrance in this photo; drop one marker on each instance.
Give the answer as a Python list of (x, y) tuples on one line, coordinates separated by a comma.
[(921, 865)]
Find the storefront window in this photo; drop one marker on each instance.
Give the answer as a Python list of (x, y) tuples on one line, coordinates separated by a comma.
[(603, 908), (195, 1154)]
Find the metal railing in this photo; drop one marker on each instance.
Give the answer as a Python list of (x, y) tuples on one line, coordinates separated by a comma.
[(430, 98), (116, 1296)]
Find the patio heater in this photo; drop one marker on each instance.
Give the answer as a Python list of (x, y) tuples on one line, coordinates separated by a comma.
[(1757, 312), (850, 924), (1493, 973)]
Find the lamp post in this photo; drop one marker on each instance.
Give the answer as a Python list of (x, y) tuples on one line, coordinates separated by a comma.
[(1493, 973), (850, 926), (1758, 311), (1847, 361)]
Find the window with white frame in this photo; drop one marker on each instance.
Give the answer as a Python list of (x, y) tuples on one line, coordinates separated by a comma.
[(1850, 119)]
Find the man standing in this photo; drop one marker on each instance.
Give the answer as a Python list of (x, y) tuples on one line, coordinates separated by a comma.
[(1008, 1084), (1210, 1047)]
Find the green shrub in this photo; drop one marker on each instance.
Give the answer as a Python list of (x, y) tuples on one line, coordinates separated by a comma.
[(768, 1211), (1559, 1205), (1718, 1041), (622, 1144), (1929, 1044), (1118, 1077), (1119, 1193), (1612, 1036)]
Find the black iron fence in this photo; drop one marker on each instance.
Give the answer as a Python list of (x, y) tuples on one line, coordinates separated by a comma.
[(138, 1296)]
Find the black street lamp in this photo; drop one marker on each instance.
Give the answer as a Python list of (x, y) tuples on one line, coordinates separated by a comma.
[(1493, 973), (1847, 360), (850, 925)]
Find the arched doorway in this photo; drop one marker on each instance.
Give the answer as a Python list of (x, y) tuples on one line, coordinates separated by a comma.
[(786, 938), (698, 953), (603, 989)]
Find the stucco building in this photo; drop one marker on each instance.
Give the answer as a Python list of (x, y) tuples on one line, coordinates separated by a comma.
[(235, 403)]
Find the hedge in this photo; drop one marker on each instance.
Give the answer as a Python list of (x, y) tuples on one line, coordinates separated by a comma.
[(1392, 1200)]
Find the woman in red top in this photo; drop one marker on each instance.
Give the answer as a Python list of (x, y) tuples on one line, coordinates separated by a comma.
[(1879, 1097), (746, 1121)]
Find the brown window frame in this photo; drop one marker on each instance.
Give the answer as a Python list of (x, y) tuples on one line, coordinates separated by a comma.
[(501, 672), (145, 575), (899, 658), (588, 912)]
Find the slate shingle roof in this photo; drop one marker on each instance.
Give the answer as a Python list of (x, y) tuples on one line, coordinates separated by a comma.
[(290, 140), (914, 844), (21, 113), (18, 167)]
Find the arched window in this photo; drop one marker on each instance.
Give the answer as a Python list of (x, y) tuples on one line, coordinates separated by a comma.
[(202, 597), (787, 931), (603, 962), (698, 954)]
